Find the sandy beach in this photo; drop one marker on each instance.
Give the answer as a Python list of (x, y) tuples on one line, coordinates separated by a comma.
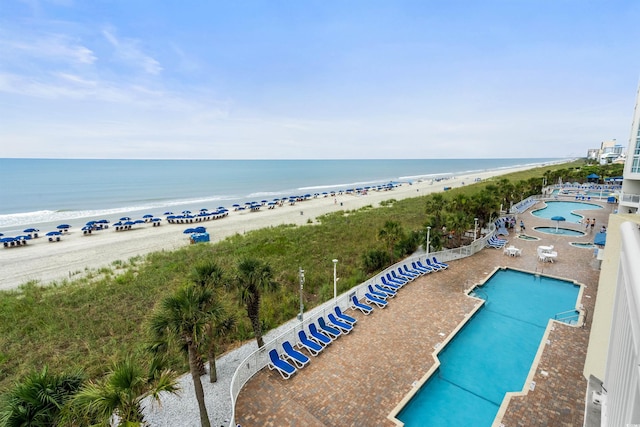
[(77, 254)]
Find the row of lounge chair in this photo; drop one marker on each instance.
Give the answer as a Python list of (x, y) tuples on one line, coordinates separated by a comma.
[(316, 340), (392, 281), (496, 242)]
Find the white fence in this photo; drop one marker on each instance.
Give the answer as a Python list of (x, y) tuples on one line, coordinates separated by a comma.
[(621, 406), (260, 358)]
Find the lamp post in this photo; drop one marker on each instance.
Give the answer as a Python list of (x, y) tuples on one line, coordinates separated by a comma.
[(428, 239), (335, 281), (301, 277), (475, 229)]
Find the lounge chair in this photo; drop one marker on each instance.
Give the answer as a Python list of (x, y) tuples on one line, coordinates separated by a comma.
[(311, 346), (412, 271), (434, 266), (377, 294), (431, 269), (420, 269), (395, 275), (393, 278), (366, 309), (285, 368), (404, 274), (298, 359), (373, 300), (318, 336), (328, 330), (345, 317), (390, 293), (441, 264), (390, 283), (344, 327)]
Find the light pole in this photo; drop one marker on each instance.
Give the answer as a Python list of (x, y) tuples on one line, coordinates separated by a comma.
[(335, 281), (475, 229), (428, 239), (301, 277)]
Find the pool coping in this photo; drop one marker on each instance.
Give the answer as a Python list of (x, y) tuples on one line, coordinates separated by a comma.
[(528, 383)]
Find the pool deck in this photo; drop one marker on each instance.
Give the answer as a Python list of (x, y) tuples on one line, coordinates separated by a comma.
[(361, 377)]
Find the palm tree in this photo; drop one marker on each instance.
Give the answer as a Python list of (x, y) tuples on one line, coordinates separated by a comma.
[(119, 395), (253, 276), (391, 233), (38, 399), (184, 316)]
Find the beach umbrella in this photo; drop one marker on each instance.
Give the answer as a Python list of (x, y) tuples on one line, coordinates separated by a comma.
[(54, 233), (204, 210), (189, 231), (7, 240), (1, 234), (155, 219), (117, 224), (103, 221), (186, 212), (147, 216), (63, 226), (125, 218), (139, 221), (557, 218), (129, 223), (168, 213), (30, 230)]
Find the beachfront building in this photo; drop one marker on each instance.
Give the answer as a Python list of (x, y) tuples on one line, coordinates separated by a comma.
[(610, 152), (612, 365), (630, 197)]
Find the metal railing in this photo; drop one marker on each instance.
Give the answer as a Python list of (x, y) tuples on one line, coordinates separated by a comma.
[(570, 317), (260, 358)]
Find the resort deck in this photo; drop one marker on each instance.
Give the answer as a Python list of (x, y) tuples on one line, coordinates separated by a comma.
[(363, 376)]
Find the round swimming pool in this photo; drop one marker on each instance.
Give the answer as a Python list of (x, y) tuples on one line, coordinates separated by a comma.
[(564, 209), (559, 231)]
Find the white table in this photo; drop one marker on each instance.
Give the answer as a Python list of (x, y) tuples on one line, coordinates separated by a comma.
[(512, 251)]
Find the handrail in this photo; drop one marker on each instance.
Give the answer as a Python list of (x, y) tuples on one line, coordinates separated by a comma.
[(259, 358)]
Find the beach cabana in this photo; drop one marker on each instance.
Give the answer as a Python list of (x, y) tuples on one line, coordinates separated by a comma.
[(592, 177)]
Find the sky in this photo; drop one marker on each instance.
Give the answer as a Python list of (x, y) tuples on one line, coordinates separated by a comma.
[(316, 79)]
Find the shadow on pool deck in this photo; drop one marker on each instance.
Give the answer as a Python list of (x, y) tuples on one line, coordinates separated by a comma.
[(362, 376)]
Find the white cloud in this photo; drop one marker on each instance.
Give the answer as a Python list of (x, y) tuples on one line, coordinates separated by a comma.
[(129, 52), (53, 47)]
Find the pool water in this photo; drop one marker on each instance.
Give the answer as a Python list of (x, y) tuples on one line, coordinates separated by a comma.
[(559, 231), (493, 352), (564, 209)]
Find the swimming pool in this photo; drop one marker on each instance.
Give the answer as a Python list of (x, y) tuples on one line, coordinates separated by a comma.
[(564, 209), (493, 353), (559, 231)]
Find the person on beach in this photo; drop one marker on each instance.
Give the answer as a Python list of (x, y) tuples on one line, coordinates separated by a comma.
[(593, 224), (586, 224), (522, 227)]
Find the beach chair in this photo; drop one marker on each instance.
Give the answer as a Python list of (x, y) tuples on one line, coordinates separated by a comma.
[(366, 309), (333, 333), (413, 271), (398, 278), (344, 327), (406, 275), (373, 300), (377, 293), (420, 269), (293, 355), (283, 367), (311, 346), (428, 267), (318, 336), (435, 267), (390, 283), (390, 293), (344, 317), (443, 265)]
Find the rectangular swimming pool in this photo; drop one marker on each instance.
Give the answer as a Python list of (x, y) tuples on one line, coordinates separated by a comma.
[(493, 353)]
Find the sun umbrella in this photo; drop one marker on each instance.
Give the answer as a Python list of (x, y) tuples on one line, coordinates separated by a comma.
[(557, 218), (54, 233), (125, 218), (63, 226), (147, 216), (31, 230), (168, 213)]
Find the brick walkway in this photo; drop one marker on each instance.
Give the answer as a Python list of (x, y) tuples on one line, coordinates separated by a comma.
[(361, 377)]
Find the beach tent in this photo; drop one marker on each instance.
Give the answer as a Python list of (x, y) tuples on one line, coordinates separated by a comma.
[(592, 177)]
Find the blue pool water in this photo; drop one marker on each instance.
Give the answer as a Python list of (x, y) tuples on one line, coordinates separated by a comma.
[(564, 209), (559, 231), (492, 354)]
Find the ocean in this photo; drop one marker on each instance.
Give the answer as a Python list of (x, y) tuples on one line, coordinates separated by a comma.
[(45, 192)]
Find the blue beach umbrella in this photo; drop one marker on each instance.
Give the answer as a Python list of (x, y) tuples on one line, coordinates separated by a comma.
[(168, 213), (54, 233), (557, 218), (125, 218), (31, 230), (147, 216), (63, 227)]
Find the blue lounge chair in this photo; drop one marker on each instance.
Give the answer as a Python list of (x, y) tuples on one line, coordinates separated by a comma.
[(405, 275), (293, 355), (423, 270), (400, 282), (366, 309), (345, 317), (312, 347), (403, 279), (318, 336), (285, 368), (431, 269), (373, 300), (390, 293), (389, 284), (441, 264), (413, 271), (328, 330), (377, 293), (433, 266), (343, 326)]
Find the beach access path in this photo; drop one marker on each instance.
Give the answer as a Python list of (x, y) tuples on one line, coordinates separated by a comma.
[(78, 254)]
